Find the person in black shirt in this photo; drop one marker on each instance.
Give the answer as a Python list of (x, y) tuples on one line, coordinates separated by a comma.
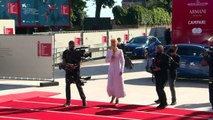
[(160, 71), (72, 59), (167, 36), (121, 45), (208, 61), (174, 64)]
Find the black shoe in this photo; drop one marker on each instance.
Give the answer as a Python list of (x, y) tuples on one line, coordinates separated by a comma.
[(173, 103), (112, 99), (116, 101), (84, 103), (162, 106), (67, 104), (157, 101)]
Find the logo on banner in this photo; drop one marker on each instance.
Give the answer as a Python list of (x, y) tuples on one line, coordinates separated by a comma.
[(8, 31), (104, 39), (12, 8), (65, 9), (198, 3), (197, 30), (44, 49), (197, 22), (126, 37), (77, 41)]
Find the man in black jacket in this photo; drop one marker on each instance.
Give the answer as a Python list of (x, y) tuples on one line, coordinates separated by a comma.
[(121, 45), (174, 64), (208, 60), (71, 60), (160, 70)]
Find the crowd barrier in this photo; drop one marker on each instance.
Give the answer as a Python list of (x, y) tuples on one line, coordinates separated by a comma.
[(99, 41), (27, 57), (33, 57)]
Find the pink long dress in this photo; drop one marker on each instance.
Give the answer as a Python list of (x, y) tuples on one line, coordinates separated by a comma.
[(115, 85)]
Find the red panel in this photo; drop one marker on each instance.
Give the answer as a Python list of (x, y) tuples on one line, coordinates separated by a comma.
[(44, 49), (65, 9), (9, 31), (12, 7), (126, 37), (104, 39), (77, 41), (192, 21)]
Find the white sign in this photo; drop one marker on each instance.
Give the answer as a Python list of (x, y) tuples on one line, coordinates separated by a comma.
[(26, 56), (7, 27)]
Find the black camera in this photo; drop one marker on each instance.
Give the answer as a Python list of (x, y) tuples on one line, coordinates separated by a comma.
[(62, 66), (82, 51)]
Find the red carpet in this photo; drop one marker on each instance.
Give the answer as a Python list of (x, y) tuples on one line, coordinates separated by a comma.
[(26, 95), (43, 108)]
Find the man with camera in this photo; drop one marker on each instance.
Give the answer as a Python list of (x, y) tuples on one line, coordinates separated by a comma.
[(174, 64), (71, 64), (208, 61), (160, 70)]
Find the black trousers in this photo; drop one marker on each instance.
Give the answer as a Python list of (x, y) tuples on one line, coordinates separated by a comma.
[(160, 82), (172, 79), (211, 90), (73, 78)]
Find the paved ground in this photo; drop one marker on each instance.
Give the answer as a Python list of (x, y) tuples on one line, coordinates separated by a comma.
[(138, 86)]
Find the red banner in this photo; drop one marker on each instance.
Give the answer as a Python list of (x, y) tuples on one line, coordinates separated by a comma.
[(12, 7), (44, 49), (65, 9), (192, 23)]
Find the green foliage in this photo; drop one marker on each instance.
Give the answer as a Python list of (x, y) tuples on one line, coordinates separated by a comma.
[(165, 4), (135, 15), (120, 15), (138, 15), (77, 12), (161, 17)]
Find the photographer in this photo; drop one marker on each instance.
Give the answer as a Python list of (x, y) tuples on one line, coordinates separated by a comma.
[(174, 64), (208, 61), (71, 61)]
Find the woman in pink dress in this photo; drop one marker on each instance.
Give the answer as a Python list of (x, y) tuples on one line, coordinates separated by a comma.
[(115, 85)]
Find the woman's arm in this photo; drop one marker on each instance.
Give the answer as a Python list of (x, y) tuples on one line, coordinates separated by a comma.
[(108, 56), (122, 61)]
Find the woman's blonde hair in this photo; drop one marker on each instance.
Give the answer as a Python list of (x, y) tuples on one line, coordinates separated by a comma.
[(114, 40)]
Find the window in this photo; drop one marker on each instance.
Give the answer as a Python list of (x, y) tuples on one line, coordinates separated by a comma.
[(151, 40), (141, 40), (182, 50), (195, 51), (189, 51)]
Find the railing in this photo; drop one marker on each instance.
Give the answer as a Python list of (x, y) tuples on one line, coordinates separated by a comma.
[(96, 53)]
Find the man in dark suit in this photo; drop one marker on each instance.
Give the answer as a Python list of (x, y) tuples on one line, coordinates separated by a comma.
[(160, 70), (208, 61), (71, 60)]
